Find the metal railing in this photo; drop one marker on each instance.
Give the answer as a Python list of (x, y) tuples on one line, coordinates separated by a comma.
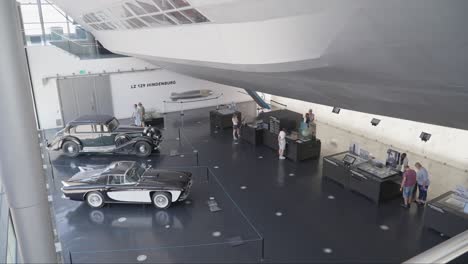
[(444, 252)]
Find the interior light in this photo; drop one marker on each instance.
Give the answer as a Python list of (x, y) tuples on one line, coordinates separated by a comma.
[(425, 136), (336, 110), (375, 121)]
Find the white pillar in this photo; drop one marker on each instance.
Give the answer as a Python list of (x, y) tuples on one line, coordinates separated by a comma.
[(20, 158)]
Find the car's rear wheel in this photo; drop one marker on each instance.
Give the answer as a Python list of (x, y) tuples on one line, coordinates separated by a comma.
[(162, 200), (143, 149), (71, 149), (95, 199)]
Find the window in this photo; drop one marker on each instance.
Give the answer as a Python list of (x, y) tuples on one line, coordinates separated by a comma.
[(163, 4), (113, 124), (148, 6), (195, 16), (180, 3), (115, 180), (137, 23), (84, 129), (150, 20), (136, 9), (181, 19), (30, 13), (164, 20)]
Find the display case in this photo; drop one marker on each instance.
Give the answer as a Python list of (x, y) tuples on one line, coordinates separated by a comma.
[(252, 133), (362, 176), (296, 150), (221, 119), (447, 214)]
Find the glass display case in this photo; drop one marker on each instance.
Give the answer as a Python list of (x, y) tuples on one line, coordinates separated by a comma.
[(382, 173)]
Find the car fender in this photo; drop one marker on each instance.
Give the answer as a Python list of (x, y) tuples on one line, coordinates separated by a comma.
[(70, 138), (143, 138)]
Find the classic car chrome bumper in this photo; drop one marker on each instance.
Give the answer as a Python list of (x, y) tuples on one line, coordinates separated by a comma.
[(186, 192)]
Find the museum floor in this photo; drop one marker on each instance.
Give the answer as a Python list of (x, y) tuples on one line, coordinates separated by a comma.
[(276, 210)]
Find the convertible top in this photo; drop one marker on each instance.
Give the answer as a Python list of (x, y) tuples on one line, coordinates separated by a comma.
[(92, 119)]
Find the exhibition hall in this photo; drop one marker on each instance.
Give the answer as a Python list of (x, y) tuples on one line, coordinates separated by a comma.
[(233, 131)]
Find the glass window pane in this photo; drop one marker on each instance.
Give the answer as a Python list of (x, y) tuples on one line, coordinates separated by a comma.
[(32, 29), (148, 5), (151, 21), (136, 9), (179, 17), (50, 14), (180, 3), (164, 20), (30, 13), (163, 4), (121, 12), (84, 129), (195, 16)]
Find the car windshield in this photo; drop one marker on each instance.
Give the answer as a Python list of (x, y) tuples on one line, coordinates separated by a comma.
[(113, 124), (133, 175)]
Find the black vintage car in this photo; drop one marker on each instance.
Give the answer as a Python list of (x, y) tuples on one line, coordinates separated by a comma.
[(103, 133), (127, 182)]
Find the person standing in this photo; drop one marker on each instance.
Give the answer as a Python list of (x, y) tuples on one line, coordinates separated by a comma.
[(311, 116), (307, 119), (407, 186), (281, 144), (422, 178), (402, 162), (142, 111), (136, 116), (235, 127)]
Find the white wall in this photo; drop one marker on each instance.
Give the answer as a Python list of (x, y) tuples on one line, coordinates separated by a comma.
[(153, 97), (49, 61), (447, 145)]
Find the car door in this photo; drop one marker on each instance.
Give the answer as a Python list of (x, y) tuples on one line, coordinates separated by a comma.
[(86, 133), (120, 190), (107, 136)]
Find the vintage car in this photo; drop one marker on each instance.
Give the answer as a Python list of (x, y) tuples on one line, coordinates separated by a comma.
[(127, 182), (103, 133)]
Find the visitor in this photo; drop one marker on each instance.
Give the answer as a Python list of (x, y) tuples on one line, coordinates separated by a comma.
[(136, 116), (407, 186), (307, 119), (311, 116), (281, 143), (422, 178), (235, 127), (402, 163), (312, 126), (142, 112)]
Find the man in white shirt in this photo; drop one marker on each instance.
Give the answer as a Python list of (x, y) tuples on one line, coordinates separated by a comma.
[(281, 143)]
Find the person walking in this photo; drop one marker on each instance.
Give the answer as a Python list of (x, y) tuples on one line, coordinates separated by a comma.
[(407, 186), (281, 144), (142, 111), (422, 179), (235, 127)]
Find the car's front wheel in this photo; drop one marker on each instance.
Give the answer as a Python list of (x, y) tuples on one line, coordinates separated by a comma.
[(143, 149), (95, 199), (162, 200), (71, 149)]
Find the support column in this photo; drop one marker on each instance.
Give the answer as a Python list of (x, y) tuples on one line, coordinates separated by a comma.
[(41, 20), (20, 159)]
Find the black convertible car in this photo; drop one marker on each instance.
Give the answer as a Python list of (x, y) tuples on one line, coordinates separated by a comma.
[(127, 182), (102, 133)]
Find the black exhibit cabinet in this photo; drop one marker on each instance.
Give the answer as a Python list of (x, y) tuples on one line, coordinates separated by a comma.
[(296, 150), (252, 134), (155, 122), (363, 177), (221, 119), (446, 214)]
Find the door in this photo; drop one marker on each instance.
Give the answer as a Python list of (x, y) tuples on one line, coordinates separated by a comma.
[(120, 190), (87, 135), (84, 96), (107, 136)]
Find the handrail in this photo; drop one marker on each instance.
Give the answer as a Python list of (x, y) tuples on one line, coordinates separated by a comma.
[(444, 252)]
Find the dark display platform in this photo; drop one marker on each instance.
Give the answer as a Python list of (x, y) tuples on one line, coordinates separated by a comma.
[(377, 184), (155, 122), (445, 215), (252, 134), (296, 151), (222, 119)]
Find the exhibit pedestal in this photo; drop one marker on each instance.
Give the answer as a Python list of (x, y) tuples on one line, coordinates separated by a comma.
[(445, 215), (251, 134), (221, 119), (295, 150)]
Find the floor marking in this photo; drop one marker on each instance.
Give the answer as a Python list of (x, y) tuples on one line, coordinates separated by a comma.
[(58, 247), (49, 198), (243, 187), (278, 213), (216, 167), (327, 250), (331, 197), (167, 226), (44, 167), (260, 157), (142, 258), (291, 175), (188, 202), (384, 227), (195, 151), (182, 156), (122, 219), (216, 234)]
